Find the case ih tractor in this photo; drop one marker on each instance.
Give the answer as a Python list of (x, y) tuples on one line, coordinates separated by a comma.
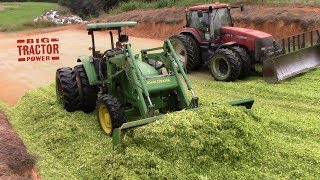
[(209, 38)]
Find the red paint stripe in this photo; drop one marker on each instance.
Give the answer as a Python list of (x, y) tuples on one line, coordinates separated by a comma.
[(20, 41), (54, 39), (55, 58), (21, 59)]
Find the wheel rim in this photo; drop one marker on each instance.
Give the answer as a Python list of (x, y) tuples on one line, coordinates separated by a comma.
[(105, 119), (180, 51), (220, 67)]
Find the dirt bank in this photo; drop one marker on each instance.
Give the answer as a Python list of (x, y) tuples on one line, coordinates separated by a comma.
[(278, 21), (15, 161)]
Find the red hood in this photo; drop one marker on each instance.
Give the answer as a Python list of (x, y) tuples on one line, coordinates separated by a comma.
[(250, 33)]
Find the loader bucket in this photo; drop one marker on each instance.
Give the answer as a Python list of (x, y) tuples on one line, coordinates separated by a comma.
[(118, 132), (288, 65)]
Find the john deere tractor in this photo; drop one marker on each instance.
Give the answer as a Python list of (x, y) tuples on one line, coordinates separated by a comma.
[(210, 39), (122, 85)]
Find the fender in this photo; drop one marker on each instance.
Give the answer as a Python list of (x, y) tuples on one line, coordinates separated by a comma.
[(90, 70), (193, 32), (228, 44)]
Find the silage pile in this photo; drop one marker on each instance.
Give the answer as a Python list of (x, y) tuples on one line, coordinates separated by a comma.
[(210, 142), (217, 141)]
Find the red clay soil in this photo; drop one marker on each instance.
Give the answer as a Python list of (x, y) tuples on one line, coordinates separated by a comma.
[(15, 161), (280, 21)]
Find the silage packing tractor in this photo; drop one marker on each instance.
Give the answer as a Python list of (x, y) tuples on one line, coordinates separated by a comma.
[(122, 85), (210, 39)]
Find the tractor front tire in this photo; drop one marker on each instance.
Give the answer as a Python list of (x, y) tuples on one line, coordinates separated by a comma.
[(66, 89), (87, 94), (110, 113), (187, 51), (244, 58), (225, 65)]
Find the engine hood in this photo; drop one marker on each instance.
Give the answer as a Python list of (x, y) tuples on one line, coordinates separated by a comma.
[(249, 33)]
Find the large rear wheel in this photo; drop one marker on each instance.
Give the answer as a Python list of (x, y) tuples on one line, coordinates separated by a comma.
[(187, 51), (110, 113), (66, 89), (88, 94), (224, 65), (244, 58)]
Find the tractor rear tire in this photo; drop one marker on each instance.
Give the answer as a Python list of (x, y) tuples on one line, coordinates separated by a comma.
[(187, 50), (110, 113), (87, 94), (66, 89), (195, 43), (244, 58), (225, 65)]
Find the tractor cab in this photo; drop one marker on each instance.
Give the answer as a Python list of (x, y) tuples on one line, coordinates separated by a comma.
[(114, 26), (209, 19)]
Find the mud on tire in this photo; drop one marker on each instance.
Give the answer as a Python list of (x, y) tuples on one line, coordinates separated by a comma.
[(110, 113), (224, 65), (244, 58), (87, 94), (66, 89), (188, 51)]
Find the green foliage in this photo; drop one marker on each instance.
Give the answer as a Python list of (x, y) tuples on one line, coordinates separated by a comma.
[(39, 24), (88, 8), (17, 16), (4, 107)]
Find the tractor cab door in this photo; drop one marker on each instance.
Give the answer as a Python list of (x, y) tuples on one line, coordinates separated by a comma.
[(201, 22), (219, 18)]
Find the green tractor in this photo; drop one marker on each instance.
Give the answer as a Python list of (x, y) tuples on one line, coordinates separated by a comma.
[(124, 86)]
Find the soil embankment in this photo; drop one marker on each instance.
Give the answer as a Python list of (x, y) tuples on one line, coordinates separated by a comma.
[(15, 161), (279, 21)]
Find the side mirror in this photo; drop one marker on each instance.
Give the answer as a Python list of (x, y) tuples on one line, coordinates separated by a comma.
[(241, 7), (200, 14)]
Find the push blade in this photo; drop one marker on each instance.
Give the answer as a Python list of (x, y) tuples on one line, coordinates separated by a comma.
[(288, 65)]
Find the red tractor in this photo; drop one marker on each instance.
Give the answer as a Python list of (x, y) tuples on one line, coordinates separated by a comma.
[(209, 38)]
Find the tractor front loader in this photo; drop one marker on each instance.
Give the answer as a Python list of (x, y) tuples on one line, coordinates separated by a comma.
[(210, 39), (300, 53), (126, 85)]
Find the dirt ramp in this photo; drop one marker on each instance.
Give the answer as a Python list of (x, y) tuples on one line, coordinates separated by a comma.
[(15, 161)]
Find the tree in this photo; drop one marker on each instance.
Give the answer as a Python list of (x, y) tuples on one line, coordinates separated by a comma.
[(88, 8)]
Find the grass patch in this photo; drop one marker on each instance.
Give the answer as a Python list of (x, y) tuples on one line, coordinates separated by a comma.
[(19, 15), (278, 139), (4, 107)]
